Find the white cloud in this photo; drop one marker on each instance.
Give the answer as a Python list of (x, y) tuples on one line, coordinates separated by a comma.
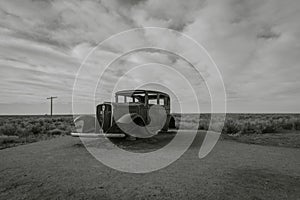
[(254, 43)]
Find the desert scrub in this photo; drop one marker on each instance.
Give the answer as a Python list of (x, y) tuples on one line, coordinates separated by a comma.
[(33, 128), (269, 127), (297, 125), (286, 124), (242, 123), (56, 132), (203, 124), (231, 127), (8, 129)]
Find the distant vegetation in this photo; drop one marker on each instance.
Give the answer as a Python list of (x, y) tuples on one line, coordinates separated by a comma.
[(15, 130), (271, 129), (266, 129), (244, 123)]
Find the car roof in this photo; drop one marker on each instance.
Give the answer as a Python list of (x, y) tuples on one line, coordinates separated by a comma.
[(130, 92)]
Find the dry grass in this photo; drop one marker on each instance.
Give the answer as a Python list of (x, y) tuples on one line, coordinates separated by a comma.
[(15, 130)]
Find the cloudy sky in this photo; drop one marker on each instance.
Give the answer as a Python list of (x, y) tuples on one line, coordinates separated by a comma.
[(255, 44)]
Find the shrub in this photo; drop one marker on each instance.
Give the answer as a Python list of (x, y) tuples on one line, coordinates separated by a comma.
[(57, 123), (269, 128), (297, 125), (287, 125), (231, 127), (9, 140), (203, 125), (41, 122), (22, 132), (36, 129), (251, 128), (56, 132), (8, 129)]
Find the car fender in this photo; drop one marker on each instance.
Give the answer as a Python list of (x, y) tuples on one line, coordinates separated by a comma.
[(86, 124), (172, 122)]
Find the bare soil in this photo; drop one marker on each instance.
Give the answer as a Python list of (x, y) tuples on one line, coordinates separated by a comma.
[(62, 168)]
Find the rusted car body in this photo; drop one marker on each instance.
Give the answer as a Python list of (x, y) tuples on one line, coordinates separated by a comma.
[(139, 113)]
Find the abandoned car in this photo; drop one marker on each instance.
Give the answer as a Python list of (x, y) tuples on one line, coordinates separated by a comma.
[(136, 113)]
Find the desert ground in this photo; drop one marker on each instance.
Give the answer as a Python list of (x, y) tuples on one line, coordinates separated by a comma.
[(62, 168)]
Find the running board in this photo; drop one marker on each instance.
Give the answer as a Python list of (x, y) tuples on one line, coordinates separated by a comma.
[(96, 135)]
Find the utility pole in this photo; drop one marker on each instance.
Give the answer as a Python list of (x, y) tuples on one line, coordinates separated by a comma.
[(51, 104)]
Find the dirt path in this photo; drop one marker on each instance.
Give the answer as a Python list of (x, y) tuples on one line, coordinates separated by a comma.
[(63, 169)]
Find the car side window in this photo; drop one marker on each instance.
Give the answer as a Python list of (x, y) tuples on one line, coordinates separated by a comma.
[(153, 101), (121, 99), (162, 101)]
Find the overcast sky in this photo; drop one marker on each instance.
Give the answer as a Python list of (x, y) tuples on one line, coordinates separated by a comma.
[(255, 44)]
